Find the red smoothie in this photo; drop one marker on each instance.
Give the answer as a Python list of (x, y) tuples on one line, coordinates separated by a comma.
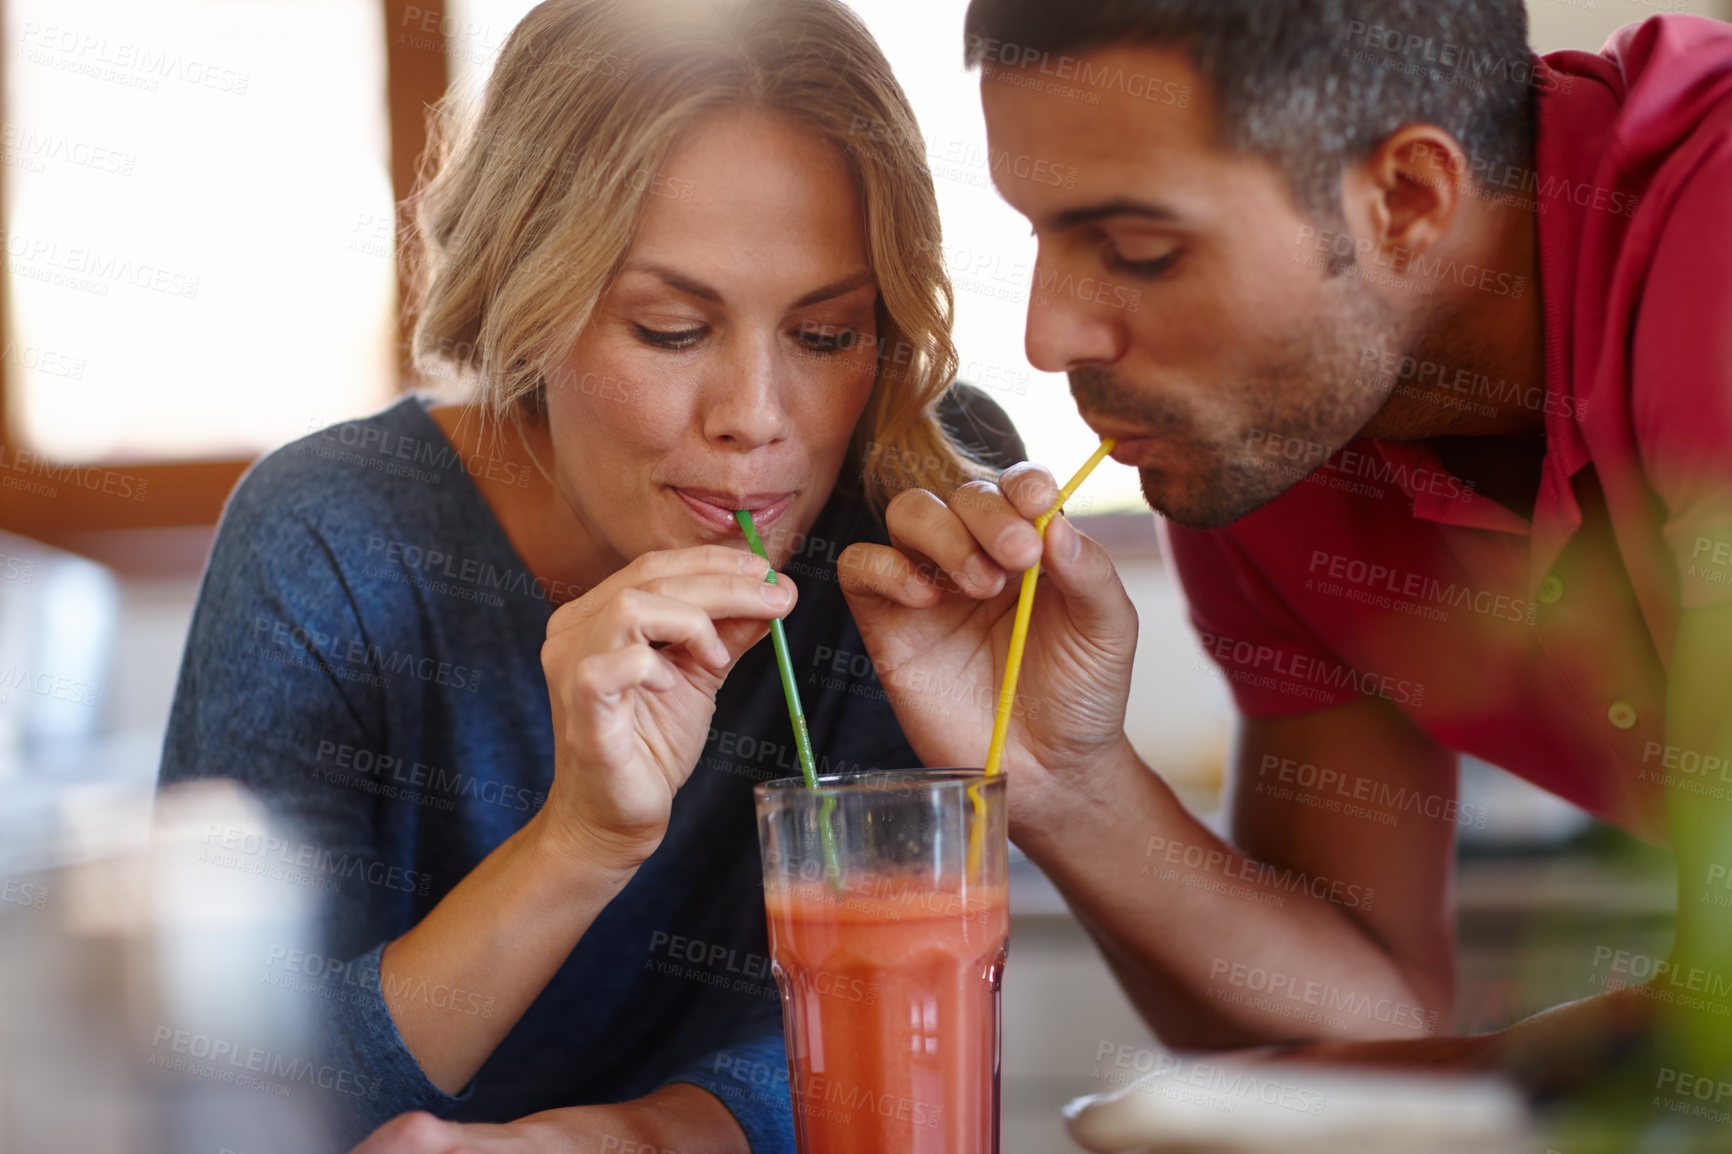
[(890, 996)]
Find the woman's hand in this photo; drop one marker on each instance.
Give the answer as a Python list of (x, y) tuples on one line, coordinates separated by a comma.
[(677, 1117), (632, 671), (936, 610)]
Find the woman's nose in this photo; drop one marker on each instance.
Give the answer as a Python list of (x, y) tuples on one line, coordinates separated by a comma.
[(745, 406)]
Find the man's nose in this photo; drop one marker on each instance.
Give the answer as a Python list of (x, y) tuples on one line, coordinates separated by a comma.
[(1068, 328)]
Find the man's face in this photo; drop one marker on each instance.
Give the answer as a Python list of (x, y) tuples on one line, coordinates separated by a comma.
[(1180, 286)]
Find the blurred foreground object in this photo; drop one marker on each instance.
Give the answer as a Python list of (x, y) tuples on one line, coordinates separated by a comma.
[(1226, 1105), (133, 960)]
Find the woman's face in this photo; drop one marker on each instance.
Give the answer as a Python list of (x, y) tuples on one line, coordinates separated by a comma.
[(729, 362)]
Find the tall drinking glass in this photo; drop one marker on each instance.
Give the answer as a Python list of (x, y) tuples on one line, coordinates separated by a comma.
[(886, 900)]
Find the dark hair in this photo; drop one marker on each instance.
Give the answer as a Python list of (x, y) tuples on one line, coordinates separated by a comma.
[(1313, 85)]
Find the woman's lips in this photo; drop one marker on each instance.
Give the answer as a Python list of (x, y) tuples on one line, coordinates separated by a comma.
[(716, 509)]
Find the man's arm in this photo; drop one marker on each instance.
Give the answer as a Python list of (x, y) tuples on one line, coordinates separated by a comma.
[(1690, 1002), (1321, 921), (1216, 948)]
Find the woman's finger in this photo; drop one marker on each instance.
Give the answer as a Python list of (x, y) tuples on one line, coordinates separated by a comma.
[(661, 565), (415, 1133), (638, 617), (728, 597), (717, 559), (740, 635), (601, 678)]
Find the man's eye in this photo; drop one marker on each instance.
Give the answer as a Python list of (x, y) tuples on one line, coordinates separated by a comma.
[(675, 339), (1141, 268), (826, 339)]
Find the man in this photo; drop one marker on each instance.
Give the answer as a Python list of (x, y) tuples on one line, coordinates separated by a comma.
[(1430, 375)]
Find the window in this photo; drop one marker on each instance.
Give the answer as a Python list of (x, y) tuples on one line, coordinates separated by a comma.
[(199, 229), (199, 218)]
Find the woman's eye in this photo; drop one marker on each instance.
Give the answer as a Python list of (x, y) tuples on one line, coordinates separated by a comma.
[(670, 339), (1141, 268), (827, 338)]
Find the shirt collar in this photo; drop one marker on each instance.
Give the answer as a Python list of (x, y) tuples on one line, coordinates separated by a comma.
[(1416, 469)]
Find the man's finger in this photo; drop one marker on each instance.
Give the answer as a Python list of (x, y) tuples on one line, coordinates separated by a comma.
[(1030, 488), (879, 571), (1005, 534), (1081, 569), (925, 528)]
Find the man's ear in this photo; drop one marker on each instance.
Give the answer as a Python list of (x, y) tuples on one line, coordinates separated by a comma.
[(1406, 194)]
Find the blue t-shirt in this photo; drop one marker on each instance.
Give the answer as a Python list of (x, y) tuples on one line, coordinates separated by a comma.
[(365, 655)]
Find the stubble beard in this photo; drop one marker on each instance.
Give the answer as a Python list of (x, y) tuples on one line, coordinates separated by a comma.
[(1307, 387)]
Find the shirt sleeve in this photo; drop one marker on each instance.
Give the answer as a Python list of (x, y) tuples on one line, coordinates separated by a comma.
[(1681, 380), (751, 1079), (265, 684), (1267, 655)]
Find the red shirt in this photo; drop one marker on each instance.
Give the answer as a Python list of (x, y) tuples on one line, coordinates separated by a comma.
[(1540, 646)]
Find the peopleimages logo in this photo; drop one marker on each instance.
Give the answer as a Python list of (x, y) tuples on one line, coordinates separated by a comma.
[(1663, 980), (1450, 62), (1294, 780), (1399, 260), (1431, 595), (1229, 1084), (1061, 71), (1326, 998), (45, 684), (227, 1061), (45, 475), (373, 447), (142, 66), (455, 572), (1196, 858), (298, 640), (302, 863), (1314, 677)]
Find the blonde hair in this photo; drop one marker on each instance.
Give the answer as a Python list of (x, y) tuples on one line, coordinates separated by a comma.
[(544, 187)]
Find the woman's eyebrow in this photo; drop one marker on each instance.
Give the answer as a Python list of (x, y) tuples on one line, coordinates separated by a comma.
[(677, 280), (836, 288), (696, 288)]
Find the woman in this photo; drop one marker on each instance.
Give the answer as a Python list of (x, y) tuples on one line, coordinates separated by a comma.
[(499, 660)]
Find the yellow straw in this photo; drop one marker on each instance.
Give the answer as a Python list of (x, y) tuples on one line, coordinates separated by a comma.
[(1013, 662), (1025, 608)]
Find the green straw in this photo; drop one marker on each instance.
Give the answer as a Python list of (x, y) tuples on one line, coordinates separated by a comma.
[(779, 638), (796, 712)]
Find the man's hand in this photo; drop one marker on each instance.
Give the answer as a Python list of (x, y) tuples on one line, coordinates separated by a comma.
[(678, 1117), (936, 610)]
